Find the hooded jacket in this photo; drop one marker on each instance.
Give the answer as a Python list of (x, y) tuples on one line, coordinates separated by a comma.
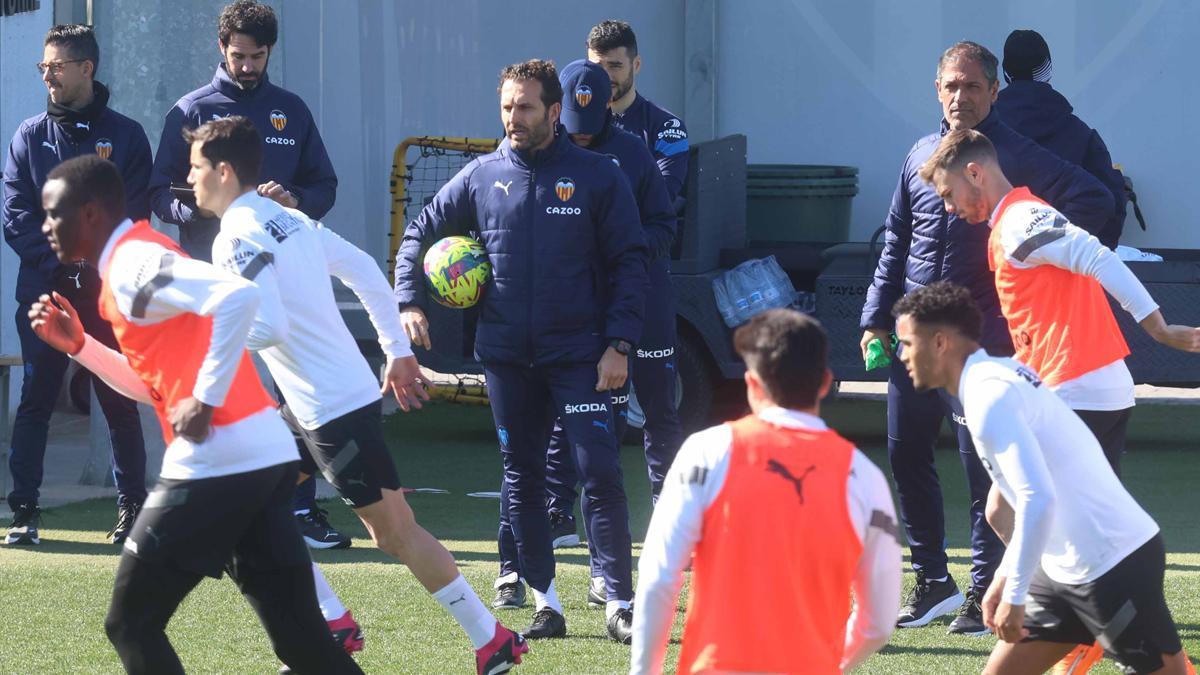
[(1036, 110)]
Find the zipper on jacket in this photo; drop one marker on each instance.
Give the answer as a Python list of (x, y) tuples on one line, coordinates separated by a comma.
[(532, 200)]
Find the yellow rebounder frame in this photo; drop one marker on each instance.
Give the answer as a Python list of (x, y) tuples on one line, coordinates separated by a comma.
[(401, 168)]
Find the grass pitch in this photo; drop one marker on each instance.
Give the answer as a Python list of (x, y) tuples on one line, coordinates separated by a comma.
[(56, 594)]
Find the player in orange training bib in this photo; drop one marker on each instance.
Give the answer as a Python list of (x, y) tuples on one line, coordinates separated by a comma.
[(779, 493)]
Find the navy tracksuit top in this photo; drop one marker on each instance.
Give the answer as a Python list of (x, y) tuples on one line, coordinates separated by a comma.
[(568, 255), (666, 137), (649, 188), (39, 145), (293, 153)]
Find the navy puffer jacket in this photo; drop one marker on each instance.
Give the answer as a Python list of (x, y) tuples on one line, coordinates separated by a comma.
[(1035, 110), (924, 244), (565, 241)]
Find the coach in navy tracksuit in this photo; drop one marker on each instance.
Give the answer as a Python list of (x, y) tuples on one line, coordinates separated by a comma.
[(1031, 107), (556, 325), (296, 170), (77, 121), (587, 120), (924, 244)]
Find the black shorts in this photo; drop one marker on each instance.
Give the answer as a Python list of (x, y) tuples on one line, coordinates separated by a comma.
[(203, 526), (350, 452), (1124, 610)]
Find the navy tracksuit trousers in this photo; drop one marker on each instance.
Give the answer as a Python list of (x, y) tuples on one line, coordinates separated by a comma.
[(44, 369), (914, 420), (652, 372), (525, 402)]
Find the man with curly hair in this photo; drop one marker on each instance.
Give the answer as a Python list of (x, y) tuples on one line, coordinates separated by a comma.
[(296, 171)]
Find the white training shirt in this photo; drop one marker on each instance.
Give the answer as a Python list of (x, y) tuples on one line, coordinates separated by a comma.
[(317, 364), (1073, 516), (1036, 234), (255, 442), (675, 530)]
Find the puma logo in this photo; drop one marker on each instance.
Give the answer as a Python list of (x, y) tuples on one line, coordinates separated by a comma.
[(153, 535), (774, 466), (460, 599), (503, 186), (53, 146), (356, 481)]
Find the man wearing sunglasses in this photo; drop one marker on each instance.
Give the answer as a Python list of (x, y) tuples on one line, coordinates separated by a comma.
[(77, 121)]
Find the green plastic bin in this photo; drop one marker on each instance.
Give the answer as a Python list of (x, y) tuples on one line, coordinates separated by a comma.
[(799, 202)]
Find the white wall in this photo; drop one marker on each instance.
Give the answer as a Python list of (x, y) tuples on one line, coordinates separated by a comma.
[(819, 82), (375, 73)]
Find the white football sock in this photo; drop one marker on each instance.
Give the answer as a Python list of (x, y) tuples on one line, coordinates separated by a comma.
[(460, 600), (510, 578), (331, 607), (613, 606), (548, 599)]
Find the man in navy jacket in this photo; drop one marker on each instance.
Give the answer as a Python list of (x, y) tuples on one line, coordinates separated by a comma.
[(556, 324), (1033, 108), (586, 118), (613, 46), (296, 171), (923, 245), (77, 121)]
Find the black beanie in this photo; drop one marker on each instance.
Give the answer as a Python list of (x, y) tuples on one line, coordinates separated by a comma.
[(1026, 57)]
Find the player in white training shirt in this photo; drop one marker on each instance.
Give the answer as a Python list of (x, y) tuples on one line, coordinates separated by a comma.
[(781, 495), (331, 398), (1084, 560)]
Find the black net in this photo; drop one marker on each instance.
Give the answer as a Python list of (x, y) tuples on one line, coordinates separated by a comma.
[(429, 168)]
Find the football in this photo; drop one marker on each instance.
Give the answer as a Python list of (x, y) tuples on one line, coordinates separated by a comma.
[(457, 272)]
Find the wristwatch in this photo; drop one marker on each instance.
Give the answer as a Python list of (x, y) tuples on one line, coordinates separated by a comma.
[(622, 347)]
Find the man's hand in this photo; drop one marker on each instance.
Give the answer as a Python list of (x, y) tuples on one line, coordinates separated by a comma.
[(1010, 623), (991, 600), (275, 191), (885, 338), (612, 370), (404, 379), (1183, 338), (191, 419), (416, 326), (59, 328)]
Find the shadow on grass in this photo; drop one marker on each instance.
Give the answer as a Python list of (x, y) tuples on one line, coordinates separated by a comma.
[(944, 651), (367, 554), (51, 546)]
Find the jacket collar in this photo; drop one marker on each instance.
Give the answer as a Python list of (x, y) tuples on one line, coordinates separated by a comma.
[(606, 133), (984, 127), (223, 83), (540, 158), (79, 123)]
